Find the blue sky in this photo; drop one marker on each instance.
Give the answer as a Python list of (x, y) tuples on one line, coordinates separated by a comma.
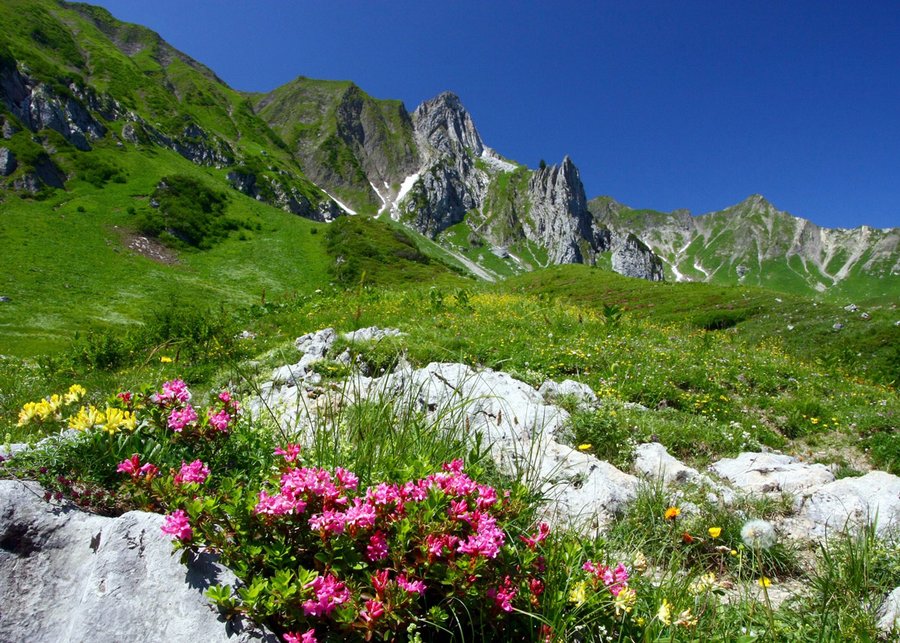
[(661, 105)]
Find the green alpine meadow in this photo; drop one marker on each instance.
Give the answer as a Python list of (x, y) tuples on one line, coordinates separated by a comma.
[(360, 377)]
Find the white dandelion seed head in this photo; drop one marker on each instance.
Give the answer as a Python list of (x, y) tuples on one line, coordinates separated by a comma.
[(758, 534)]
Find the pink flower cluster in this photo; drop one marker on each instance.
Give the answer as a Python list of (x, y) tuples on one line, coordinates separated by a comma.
[(503, 595), (173, 392), (180, 418), (196, 471), (307, 637), (175, 397), (135, 469), (176, 524), (223, 417), (329, 593), (542, 533), (614, 578)]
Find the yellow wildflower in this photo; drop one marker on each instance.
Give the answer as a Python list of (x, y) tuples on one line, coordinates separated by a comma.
[(584, 447), (75, 393), (764, 581), (578, 595), (625, 600), (117, 418), (28, 413), (165, 359), (715, 532), (672, 513), (86, 418), (665, 612), (53, 403)]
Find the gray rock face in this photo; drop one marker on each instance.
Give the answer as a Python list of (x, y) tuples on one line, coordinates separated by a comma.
[(37, 107), (70, 576), (8, 162), (632, 258), (559, 219), (773, 473), (851, 502), (371, 334), (442, 196), (447, 127)]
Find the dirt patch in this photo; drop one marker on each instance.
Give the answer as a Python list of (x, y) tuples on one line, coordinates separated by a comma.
[(150, 248)]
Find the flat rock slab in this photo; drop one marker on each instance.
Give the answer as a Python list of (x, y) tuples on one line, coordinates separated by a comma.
[(851, 502), (772, 473), (66, 575), (652, 460)]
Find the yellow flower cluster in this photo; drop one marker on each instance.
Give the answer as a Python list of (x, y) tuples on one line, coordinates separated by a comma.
[(111, 420), (50, 407)]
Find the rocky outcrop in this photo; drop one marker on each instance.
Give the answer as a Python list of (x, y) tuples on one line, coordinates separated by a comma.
[(44, 174), (558, 219), (632, 258), (38, 107), (445, 128), (523, 431), (851, 502), (66, 575), (8, 162)]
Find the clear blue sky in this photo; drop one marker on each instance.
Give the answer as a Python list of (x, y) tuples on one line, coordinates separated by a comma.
[(661, 105)]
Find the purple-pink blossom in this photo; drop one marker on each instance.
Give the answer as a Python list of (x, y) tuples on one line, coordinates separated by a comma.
[(290, 452), (377, 549), (373, 609), (135, 469), (278, 505), (503, 595), (219, 420), (328, 523), (330, 592), (196, 471), (176, 524), (309, 636), (172, 391), (413, 587), (180, 418), (486, 541), (542, 533)]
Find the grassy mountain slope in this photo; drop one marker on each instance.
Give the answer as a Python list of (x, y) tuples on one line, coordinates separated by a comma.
[(867, 344), (343, 137)]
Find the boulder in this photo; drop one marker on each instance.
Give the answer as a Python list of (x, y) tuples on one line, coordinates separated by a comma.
[(889, 613), (850, 502), (371, 334), (66, 575), (772, 473), (654, 461), (582, 393), (316, 344)]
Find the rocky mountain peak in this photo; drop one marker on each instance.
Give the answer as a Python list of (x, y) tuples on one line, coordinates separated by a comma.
[(445, 125), (562, 185)]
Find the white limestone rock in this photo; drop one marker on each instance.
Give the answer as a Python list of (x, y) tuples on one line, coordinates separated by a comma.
[(66, 575), (652, 460), (773, 473), (851, 502), (889, 613), (582, 393)]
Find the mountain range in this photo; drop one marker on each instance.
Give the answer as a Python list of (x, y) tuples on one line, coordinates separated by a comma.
[(80, 91)]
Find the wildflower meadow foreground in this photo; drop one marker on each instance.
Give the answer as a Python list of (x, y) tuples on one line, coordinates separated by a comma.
[(330, 543)]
